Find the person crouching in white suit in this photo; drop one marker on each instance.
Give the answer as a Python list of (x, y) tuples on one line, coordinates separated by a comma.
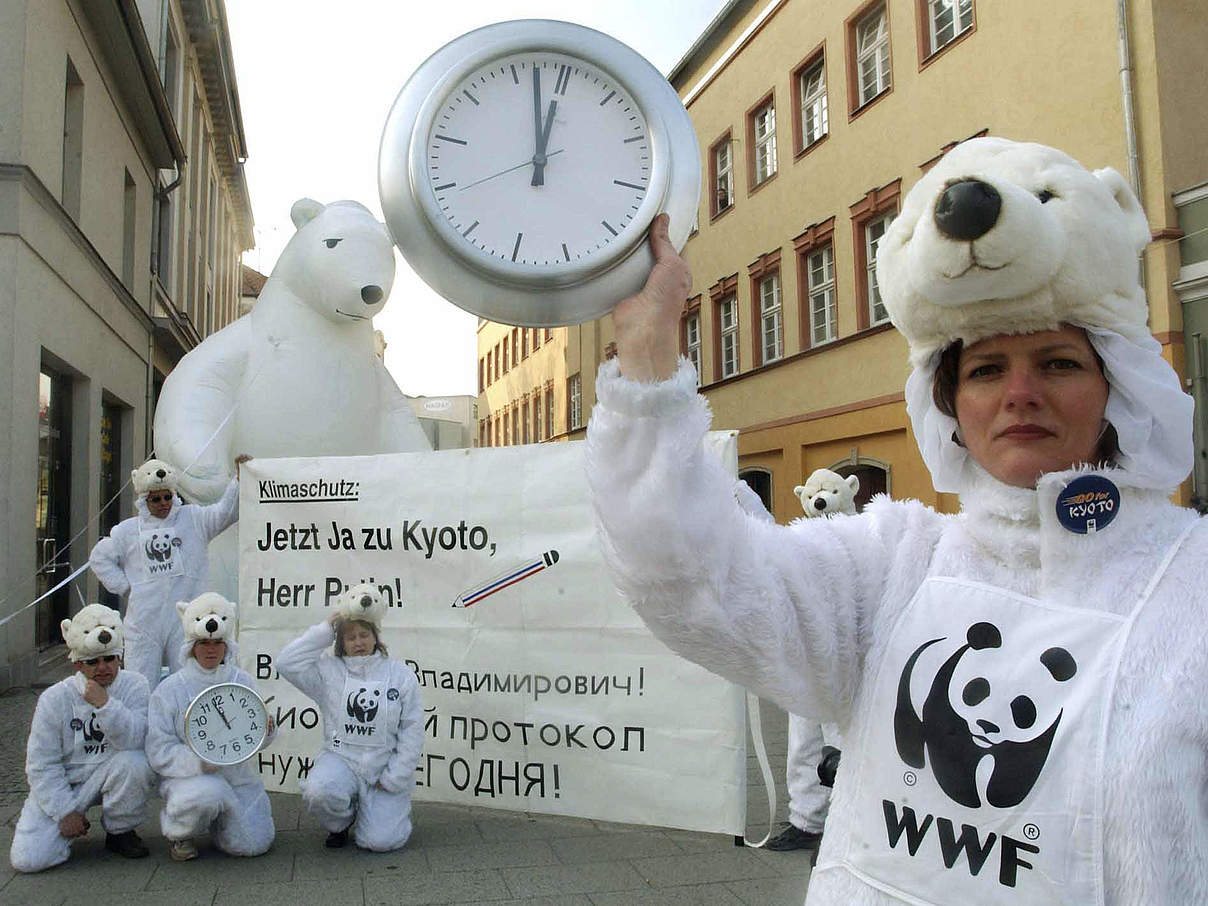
[(86, 747), (200, 797), (372, 725)]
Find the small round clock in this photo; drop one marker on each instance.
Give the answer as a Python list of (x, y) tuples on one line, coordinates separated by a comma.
[(521, 167), (226, 723)]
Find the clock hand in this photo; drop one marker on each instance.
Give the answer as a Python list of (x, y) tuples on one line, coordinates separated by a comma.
[(540, 158), (218, 708), (538, 147), (508, 170)]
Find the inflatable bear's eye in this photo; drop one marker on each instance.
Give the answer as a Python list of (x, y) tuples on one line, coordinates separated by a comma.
[(332, 243), (1045, 195)]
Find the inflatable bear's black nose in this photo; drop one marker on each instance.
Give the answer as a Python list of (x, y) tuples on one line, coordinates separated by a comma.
[(160, 473), (103, 637), (211, 625), (820, 504), (371, 294), (968, 209), (366, 601)]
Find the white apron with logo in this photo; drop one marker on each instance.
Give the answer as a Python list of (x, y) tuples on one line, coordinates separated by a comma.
[(88, 743), (978, 769), (161, 549), (362, 715)]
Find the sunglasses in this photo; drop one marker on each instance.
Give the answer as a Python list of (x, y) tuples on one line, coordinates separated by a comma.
[(107, 658), (159, 498)]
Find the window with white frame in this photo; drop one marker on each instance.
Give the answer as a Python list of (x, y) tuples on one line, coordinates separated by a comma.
[(549, 410), (538, 411), (874, 230), (812, 84), (872, 54), (574, 403), (728, 319), (820, 269), (764, 122), (723, 178), (692, 342), (948, 19), (770, 318)]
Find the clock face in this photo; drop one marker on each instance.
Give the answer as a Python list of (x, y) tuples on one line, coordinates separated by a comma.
[(226, 724), (539, 160)]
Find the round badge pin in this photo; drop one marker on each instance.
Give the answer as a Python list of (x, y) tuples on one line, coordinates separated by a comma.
[(1088, 504)]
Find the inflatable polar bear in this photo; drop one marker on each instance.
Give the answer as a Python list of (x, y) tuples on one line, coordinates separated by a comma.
[(827, 493), (297, 375)]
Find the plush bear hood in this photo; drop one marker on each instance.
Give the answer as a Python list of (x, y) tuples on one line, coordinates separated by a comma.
[(93, 632)]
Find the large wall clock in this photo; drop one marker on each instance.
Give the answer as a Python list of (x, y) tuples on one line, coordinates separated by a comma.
[(521, 167)]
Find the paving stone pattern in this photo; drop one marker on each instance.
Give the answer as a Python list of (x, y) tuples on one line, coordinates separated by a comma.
[(457, 855)]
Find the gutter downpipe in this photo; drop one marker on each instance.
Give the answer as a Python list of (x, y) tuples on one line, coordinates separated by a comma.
[(159, 195), (1130, 118)]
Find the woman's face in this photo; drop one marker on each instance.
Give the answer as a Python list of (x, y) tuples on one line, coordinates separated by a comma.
[(209, 652), (358, 640), (1031, 404)]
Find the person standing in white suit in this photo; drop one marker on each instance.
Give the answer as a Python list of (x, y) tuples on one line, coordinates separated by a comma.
[(372, 724), (86, 748)]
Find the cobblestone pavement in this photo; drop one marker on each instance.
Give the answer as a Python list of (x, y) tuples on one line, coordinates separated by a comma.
[(457, 855)]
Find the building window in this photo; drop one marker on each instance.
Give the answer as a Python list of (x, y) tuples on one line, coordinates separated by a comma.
[(168, 68), (481, 372), (538, 420), (947, 20), (721, 161), (770, 318), (524, 419), (692, 342), (549, 410), (870, 36), (515, 346), (515, 423), (524, 343), (506, 355), (761, 132), (506, 422), (497, 431), (820, 271), (811, 88), (874, 230), (727, 313), (129, 218), (162, 263), (574, 403), (549, 334), (73, 141)]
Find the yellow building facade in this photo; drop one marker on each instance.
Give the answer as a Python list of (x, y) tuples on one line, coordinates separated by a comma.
[(814, 120)]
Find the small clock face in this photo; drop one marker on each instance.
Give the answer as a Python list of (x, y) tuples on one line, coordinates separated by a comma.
[(539, 160), (226, 724)]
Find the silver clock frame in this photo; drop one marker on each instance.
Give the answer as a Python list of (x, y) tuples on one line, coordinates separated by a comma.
[(206, 691), (528, 295)]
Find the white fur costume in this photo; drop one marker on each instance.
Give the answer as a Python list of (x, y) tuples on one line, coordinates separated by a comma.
[(806, 615), (78, 756), (372, 782), (160, 562), (231, 802)]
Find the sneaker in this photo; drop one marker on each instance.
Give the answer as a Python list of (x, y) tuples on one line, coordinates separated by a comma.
[(182, 851), (337, 839), (127, 845), (793, 837)]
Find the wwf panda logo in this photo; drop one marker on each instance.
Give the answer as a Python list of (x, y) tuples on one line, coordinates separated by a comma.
[(362, 705), (159, 547), (972, 712), (93, 733)]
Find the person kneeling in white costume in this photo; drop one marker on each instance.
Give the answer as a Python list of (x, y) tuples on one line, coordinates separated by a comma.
[(86, 747), (1018, 685), (372, 724), (199, 796), (160, 557)]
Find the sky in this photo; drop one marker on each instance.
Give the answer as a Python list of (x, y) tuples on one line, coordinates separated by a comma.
[(316, 82)]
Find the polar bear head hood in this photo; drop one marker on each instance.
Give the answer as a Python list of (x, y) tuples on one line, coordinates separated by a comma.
[(1004, 237), (827, 493), (154, 475), (208, 616), (340, 262), (362, 602), (93, 632)]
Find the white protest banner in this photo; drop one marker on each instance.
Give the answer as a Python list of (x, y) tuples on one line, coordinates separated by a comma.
[(543, 691)]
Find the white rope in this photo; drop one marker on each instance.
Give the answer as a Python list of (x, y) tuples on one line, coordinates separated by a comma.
[(761, 754)]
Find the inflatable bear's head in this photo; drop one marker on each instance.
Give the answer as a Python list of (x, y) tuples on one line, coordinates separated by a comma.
[(827, 493), (154, 475), (208, 616), (93, 632), (362, 602), (1004, 237), (340, 262)]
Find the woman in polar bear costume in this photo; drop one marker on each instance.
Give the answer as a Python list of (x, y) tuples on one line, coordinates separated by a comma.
[(372, 724), (1017, 685), (199, 796)]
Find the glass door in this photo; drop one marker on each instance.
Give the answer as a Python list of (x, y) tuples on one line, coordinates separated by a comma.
[(111, 485), (52, 508)]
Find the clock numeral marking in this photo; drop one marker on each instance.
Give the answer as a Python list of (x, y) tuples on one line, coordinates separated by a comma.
[(458, 141), (447, 185), (515, 78), (608, 227), (471, 97), (608, 98), (565, 253), (516, 247), (563, 80), (628, 185), (470, 229), (636, 138)]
